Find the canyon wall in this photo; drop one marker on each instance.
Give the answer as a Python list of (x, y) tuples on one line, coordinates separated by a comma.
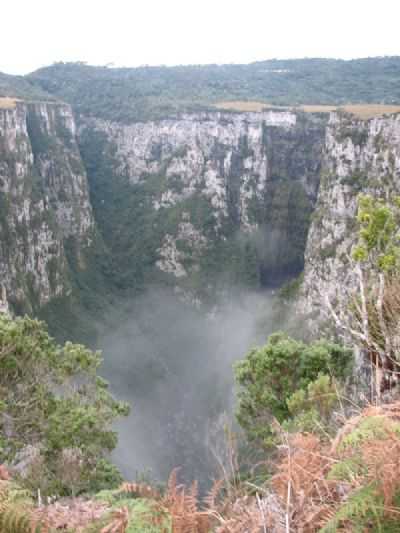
[(203, 202), (359, 156), (210, 191), (45, 211)]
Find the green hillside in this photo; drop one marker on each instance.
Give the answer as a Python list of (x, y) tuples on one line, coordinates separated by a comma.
[(135, 94)]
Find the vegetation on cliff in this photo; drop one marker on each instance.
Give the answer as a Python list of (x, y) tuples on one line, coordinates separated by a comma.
[(284, 379)]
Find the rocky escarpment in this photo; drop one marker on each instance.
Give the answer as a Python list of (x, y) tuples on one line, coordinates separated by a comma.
[(46, 218), (360, 156), (211, 192), (211, 152), (202, 201)]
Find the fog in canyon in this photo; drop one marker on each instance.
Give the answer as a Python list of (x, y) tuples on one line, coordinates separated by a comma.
[(174, 365)]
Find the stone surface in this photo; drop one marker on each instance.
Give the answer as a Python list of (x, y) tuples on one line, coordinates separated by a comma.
[(258, 173), (359, 156), (44, 202)]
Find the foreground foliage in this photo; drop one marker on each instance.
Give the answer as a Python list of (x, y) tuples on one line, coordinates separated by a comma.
[(348, 483), (287, 378), (55, 411)]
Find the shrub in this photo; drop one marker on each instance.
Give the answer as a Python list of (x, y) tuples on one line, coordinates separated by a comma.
[(281, 376), (54, 401)]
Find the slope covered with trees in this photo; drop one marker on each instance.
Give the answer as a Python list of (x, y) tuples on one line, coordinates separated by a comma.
[(21, 87), (148, 93), (320, 451)]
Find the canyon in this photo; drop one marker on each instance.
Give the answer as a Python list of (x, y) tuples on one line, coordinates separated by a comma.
[(166, 241)]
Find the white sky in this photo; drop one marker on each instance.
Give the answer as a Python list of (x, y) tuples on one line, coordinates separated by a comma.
[(34, 33)]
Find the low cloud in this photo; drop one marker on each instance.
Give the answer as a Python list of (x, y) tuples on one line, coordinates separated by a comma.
[(173, 364)]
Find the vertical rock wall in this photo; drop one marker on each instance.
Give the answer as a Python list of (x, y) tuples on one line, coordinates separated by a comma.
[(44, 202), (360, 156)]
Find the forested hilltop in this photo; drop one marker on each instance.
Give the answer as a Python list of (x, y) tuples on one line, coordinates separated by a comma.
[(144, 93), (21, 87)]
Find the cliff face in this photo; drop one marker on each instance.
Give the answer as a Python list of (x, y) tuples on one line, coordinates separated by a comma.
[(206, 200), (45, 212), (359, 156), (205, 183), (212, 153)]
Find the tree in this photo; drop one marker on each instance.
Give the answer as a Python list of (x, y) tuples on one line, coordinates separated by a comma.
[(272, 375), (371, 315), (52, 399)]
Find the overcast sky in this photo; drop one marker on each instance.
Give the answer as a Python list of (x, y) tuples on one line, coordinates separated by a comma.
[(35, 33)]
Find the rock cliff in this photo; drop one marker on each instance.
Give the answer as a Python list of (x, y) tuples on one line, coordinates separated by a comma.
[(209, 190), (203, 201), (45, 212), (359, 156)]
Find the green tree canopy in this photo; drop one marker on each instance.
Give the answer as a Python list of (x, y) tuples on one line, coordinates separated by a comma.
[(379, 241), (270, 375), (52, 399)]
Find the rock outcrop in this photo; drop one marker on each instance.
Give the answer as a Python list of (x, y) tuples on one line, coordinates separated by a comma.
[(218, 174), (45, 212), (359, 156), (191, 198)]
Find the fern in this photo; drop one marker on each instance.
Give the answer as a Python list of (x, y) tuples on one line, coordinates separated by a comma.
[(347, 469), (17, 514), (139, 490), (210, 501), (361, 507), (183, 506), (119, 524), (370, 428)]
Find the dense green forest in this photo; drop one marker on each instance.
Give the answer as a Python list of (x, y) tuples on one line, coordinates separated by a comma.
[(21, 87), (135, 94), (155, 92)]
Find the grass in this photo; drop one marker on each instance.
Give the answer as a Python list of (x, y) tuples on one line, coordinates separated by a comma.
[(363, 111), (242, 105), (7, 103)]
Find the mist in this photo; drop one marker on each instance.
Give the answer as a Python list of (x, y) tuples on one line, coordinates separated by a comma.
[(173, 364)]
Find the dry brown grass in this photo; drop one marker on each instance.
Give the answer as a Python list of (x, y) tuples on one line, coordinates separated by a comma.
[(242, 105), (7, 103), (363, 111)]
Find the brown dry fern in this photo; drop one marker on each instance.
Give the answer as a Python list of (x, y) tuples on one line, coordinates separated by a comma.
[(17, 514), (183, 506), (140, 490), (120, 521)]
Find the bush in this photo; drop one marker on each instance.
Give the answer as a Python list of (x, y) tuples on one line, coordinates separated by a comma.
[(286, 377), (54, 403)]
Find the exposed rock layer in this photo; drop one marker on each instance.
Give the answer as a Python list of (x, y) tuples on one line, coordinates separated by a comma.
[(44, 202), (359, 156), (254, 173), (184, 187)]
